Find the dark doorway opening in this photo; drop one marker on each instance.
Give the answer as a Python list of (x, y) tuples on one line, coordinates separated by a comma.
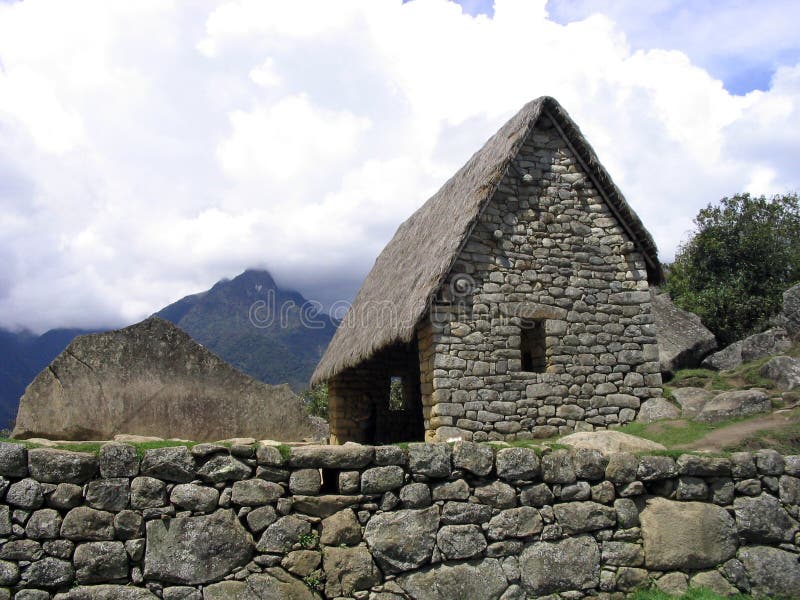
[(533, 344)]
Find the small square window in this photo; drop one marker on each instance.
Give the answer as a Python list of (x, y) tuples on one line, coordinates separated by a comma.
[(533, 347)]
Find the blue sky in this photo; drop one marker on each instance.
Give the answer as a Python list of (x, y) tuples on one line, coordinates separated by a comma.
[(149, 148)]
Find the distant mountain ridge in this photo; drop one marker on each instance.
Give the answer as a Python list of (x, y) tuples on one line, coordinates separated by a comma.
[(24, 354), (219, 318), (257, 327)]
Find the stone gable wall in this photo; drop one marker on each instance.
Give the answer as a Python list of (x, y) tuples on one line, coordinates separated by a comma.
[(552, 249), (433, 521)]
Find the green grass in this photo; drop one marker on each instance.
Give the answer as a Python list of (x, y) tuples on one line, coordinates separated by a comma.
[(691, 594), (704, 378), (537, 445), (672, 435), (743, 376), (285, 451)]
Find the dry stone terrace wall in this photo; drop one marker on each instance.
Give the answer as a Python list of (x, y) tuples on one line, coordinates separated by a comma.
[(432, 521), (551, 250)]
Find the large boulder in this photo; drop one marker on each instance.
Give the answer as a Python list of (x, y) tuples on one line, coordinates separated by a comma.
[(153, 379), (609, 442), (272, 583), (726, 359), (760, 345), (657, 409), (566, 565), (402, 540), (691, 400), (578, 517), (107, 592), (61, 466), (348, 570), (195, 550), (735, 404), (763, 520), (789, 317), (464, 581), (686, 535), (683, 340), (783, 370), (772, 572)]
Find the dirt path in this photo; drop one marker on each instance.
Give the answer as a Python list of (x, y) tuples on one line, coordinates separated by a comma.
[(725, 437)]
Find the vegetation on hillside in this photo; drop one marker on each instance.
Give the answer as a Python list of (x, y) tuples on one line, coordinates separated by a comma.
[(742, 256), (262, 330)]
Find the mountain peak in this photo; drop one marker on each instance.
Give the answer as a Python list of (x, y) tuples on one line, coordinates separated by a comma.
[(256, 277)]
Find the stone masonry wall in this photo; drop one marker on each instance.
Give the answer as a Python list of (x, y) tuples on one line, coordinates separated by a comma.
[(432, 521), (547, 249), (358, 400)]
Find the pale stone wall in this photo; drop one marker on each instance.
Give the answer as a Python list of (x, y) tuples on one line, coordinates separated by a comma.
[(431, 521), (549, 249)]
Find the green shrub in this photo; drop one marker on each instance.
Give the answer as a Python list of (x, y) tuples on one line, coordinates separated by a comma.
[(316, 400), (742, 257)]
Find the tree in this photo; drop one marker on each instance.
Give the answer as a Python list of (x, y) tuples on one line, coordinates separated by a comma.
[(316, 400), (743, 254)]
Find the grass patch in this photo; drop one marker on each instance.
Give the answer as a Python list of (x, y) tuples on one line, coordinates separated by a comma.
[(703, 378), (690, 594), (285, 451), (747, 374), (671, 434), (538, 445)]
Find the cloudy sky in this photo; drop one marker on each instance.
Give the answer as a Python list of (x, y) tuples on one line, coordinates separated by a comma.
[(150, 148)]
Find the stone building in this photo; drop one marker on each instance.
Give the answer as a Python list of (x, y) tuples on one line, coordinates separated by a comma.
[(513, 304)]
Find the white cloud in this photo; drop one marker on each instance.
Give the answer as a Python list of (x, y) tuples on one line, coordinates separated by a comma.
[(148, 149), (265, 74), (30, 99), (288, 140)]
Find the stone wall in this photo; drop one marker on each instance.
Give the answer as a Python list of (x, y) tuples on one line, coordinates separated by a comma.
[(549, 249), (432, 521), (358, 399)]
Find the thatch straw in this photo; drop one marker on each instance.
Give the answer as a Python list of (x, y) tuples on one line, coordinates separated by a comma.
[(408, 273)]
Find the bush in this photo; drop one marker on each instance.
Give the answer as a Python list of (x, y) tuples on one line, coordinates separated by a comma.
[(316, 400), (742, 256)]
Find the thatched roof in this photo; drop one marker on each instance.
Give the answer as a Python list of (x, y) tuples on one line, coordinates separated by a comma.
[(408, 273)]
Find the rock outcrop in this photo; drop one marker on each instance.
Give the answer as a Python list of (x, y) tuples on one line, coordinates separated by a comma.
[(153, 379), (608, 442), (783, 370), (759, 345), (789, 317), (733, 405), (683, 340), (657, 409)]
